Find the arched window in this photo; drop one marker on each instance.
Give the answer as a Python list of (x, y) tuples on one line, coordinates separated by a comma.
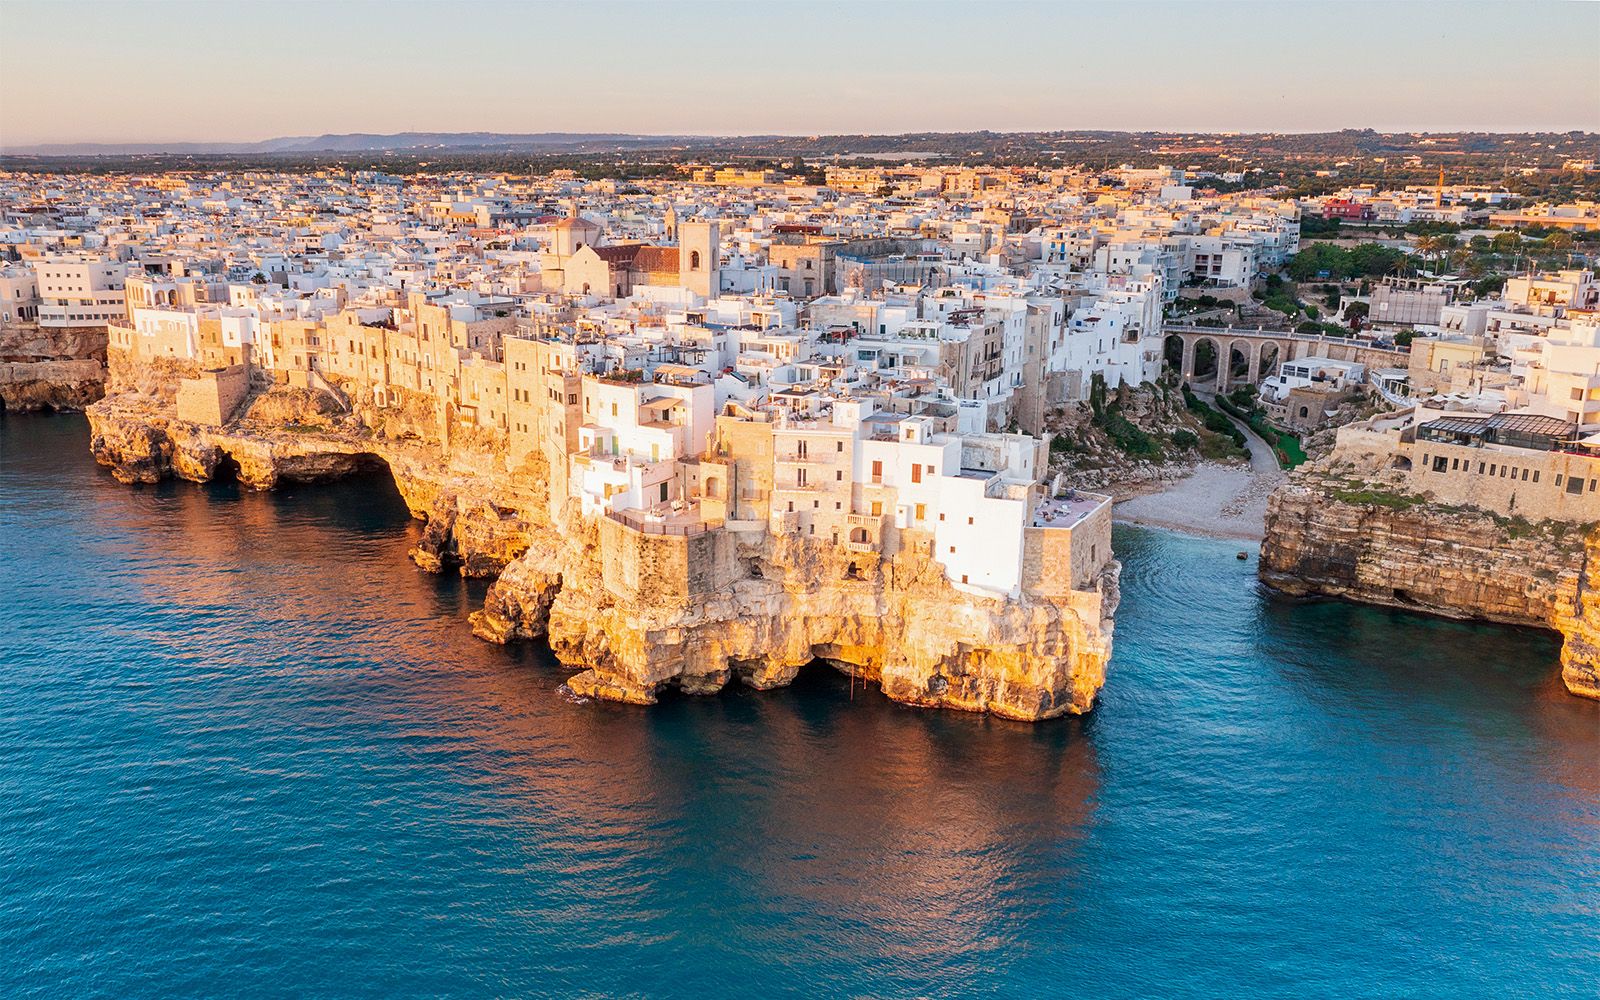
[(713, 487), (694, 260)]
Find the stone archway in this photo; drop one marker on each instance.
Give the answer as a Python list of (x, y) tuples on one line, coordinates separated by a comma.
[(1270, 357), (1174, 349), (1241, 363), (1205, 361)]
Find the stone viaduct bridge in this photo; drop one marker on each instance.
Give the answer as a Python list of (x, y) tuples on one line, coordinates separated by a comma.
[(1263, 350)]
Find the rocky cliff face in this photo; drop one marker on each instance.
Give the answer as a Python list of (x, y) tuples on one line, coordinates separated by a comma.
[(895, 622), (51, 369), (1577, 617), (1360, 540), (777, 603)]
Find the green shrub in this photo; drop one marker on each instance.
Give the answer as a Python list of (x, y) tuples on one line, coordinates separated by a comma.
[(1282, 303), (1185, 440), (1128, 436)]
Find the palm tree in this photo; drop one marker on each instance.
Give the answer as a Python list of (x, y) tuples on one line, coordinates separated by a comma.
[(1435, 246)]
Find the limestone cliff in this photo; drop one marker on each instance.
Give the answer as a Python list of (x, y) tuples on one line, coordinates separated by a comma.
[(893, 621), (1328, 534), (633, 613), (44, 368)]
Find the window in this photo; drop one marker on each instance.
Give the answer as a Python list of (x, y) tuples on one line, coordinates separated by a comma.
[(877, 471), (877, 508), (916, 473), (921, 511)]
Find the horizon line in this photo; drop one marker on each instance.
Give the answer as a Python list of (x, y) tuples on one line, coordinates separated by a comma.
[(1240, 132)]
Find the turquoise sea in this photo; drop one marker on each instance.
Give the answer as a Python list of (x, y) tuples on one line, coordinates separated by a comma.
[(247, 750)]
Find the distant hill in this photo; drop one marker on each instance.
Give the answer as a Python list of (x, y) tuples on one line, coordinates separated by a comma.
[(364, 142)]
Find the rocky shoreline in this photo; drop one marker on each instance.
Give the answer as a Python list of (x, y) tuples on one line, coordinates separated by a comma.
[(1326, 536), (635, 614), (52, 369)]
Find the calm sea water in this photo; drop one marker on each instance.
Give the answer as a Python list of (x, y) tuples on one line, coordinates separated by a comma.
[(247, 750)]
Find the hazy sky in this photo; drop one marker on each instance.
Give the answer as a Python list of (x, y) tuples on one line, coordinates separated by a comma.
[(169, 71)]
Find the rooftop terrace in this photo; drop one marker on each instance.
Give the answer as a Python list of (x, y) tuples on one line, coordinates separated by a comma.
[(1066, 511)]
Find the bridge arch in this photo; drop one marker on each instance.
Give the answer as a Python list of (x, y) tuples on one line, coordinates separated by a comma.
[(1269, 357), (1242, 355), (1175, 350), (1205, 360)]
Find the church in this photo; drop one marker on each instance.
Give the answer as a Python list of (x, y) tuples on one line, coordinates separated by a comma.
[(579, 260)]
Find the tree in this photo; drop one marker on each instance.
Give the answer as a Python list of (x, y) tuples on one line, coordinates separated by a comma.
[(1485, 287), (1097, 395), (1428, 245)]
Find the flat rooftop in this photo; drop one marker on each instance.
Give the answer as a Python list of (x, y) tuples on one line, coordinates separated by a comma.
[(1067, 511)]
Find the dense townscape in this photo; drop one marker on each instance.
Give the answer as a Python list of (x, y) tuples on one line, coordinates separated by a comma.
[(877, 361)]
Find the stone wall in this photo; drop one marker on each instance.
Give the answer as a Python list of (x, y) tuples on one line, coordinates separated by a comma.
[(670, 569), (1522, 483), (212, 397)]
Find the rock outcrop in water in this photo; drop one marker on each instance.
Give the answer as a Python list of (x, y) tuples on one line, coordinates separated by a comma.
[(1328, 534), (43, 368), (637, 613)]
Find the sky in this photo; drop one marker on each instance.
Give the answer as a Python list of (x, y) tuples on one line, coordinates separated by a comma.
[(173, 70)]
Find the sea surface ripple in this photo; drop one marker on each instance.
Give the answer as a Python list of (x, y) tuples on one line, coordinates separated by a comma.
[(247, 750)]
